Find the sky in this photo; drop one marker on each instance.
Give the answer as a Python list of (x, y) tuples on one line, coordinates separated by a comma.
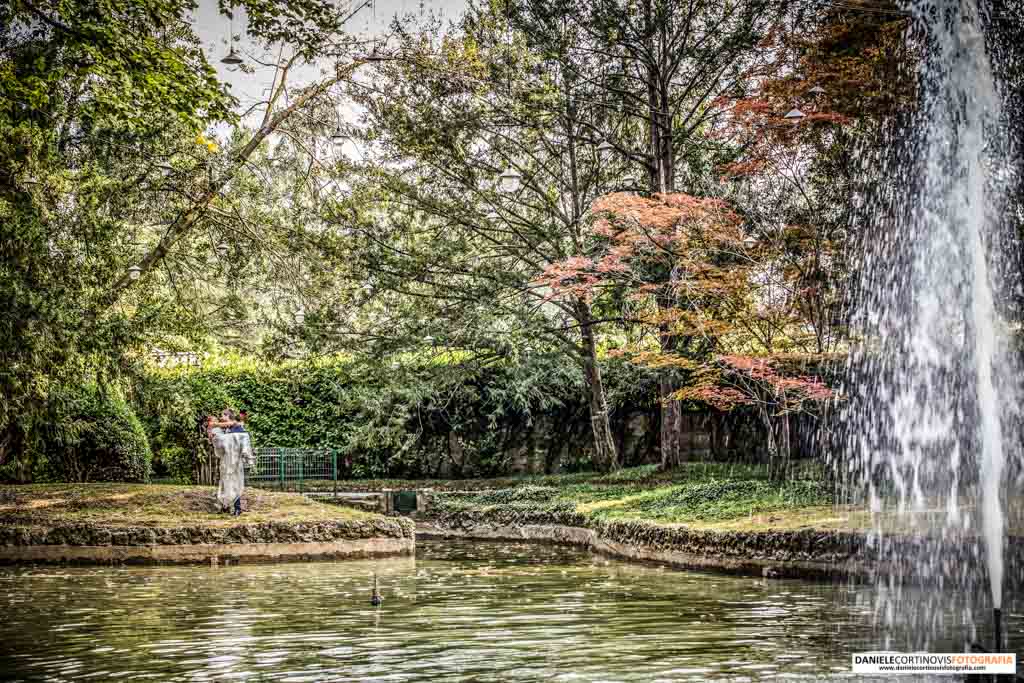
[(214, 28)]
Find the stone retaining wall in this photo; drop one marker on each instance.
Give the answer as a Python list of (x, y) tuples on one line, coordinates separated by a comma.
[(808, 554), (781, 563), (83, 543), (216, 553)]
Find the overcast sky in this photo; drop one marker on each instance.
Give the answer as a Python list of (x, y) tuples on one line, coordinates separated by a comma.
[(213, 29)]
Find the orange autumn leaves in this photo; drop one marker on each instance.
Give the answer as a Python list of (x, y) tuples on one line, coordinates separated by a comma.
[(663, 245), (735, 380), (680, 266)]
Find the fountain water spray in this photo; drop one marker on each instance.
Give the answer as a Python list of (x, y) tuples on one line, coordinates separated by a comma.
[(934, 388)]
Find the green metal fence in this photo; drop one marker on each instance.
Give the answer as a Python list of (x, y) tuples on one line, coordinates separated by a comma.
[(294, 469)]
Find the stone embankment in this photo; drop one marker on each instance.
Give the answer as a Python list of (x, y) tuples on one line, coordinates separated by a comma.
[(804, 553), (268, 541)]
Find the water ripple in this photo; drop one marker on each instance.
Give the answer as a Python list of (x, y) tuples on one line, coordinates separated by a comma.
[(458, 612)]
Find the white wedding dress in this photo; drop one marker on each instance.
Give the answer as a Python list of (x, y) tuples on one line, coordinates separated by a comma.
[(234, 449)]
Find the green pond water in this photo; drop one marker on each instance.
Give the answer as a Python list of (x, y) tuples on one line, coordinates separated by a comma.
[(458, 611)]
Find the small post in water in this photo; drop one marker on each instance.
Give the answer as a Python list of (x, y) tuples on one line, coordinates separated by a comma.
[(376, 600), (997, 616)]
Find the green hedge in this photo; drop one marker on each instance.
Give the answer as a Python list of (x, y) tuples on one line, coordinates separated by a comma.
[(385, 420), (102, 440), (408, 419)]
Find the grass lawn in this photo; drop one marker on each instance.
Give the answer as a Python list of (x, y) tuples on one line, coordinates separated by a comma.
[(644, 474), (155, 505), (700, 495)]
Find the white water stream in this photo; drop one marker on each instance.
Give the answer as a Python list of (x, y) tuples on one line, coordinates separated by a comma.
[(935, 390)]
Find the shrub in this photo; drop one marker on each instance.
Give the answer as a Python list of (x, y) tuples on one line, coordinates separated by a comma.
[(104, 441), (385, 421), (179, 464)]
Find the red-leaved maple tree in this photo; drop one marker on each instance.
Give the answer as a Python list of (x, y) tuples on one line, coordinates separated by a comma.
[(681, 269)]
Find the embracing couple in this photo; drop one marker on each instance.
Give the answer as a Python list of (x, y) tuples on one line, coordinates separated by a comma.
[(233, 448)]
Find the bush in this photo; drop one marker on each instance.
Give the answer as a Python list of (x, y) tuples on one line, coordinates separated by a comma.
[(385, 421), (104, 441), (178, 463)]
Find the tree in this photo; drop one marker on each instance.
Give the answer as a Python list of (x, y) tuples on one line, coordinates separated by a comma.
[(97, 101), (634, 242), (437, 237), (666, 63), (800, 182)]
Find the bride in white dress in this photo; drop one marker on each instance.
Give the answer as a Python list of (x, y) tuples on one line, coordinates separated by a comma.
[(232, 446)]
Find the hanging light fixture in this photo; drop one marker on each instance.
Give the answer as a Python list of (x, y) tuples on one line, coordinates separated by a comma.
[(339, 136), (794, 114), (134, 273), (605, 147), (374, 55), (232, 58), (300, 316), (510, 180)]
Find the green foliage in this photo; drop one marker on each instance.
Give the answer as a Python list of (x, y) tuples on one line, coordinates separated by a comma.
[(102, 111), (384, 420), (690, 494), (529, 493), (720, 499), (105, 441)]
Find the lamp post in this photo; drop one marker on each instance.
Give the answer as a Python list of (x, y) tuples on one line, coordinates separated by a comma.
[(232, 58)]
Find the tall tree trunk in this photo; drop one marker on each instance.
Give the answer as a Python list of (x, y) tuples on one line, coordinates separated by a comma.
[(671, 418), (661, 171), (770, 444), (784, 446), (605, 453)]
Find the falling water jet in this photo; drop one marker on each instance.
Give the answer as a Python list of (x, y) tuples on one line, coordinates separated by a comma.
[(934, 392)]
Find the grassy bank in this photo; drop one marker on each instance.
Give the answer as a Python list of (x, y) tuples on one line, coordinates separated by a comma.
[(705, 496), (115, 505)]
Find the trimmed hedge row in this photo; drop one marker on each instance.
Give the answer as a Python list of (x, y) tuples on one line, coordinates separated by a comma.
[(422, 418)]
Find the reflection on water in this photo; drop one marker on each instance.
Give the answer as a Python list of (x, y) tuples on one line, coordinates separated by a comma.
[(459, 611)]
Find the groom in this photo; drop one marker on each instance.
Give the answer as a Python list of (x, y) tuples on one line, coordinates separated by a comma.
[(232, 446)]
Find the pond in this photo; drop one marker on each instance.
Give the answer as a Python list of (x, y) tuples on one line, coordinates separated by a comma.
[(458, 611)]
